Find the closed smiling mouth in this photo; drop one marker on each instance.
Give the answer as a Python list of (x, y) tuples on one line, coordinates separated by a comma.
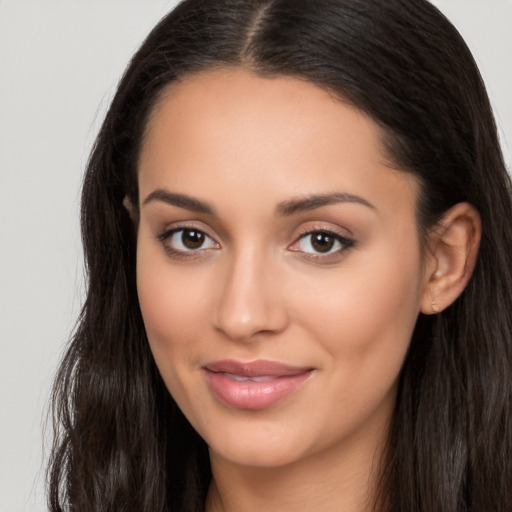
[(254, 385)]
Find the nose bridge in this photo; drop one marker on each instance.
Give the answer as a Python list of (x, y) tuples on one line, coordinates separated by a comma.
[(249, 301)]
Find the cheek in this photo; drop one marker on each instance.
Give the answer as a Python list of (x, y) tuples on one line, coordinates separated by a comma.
[(172, 305), (366, 314), (363, 321), (172, 308)]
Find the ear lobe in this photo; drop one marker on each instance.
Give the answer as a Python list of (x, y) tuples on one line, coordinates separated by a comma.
[(453, 249)]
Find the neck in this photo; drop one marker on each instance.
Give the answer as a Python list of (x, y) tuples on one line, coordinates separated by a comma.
[(341, 478)]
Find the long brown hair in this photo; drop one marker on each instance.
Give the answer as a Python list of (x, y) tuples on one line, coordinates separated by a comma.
[(121, 443)]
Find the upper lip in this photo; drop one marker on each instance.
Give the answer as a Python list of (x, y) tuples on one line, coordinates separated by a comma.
[(259, 368)]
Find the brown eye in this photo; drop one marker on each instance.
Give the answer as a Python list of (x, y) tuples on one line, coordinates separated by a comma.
[(186, 240), (322, 242), (192, 238)]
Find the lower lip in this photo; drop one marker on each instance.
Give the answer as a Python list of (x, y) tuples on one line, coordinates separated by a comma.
[(249, 394)]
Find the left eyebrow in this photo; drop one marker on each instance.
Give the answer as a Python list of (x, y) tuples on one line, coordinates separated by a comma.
[(299, 205)]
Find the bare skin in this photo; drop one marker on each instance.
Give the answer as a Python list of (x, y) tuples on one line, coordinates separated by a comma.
[(272, 228)]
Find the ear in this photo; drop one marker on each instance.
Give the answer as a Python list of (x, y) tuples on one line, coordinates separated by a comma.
[(130, 208), (451, 257)]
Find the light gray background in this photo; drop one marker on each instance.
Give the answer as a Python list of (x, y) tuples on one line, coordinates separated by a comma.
[(59, 62)]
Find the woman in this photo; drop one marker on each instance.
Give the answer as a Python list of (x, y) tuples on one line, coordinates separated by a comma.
[(296, 221)]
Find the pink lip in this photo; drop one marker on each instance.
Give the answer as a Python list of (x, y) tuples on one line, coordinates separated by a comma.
[(253, 385)]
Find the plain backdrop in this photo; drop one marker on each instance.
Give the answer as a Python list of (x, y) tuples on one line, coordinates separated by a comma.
[(59, 63)]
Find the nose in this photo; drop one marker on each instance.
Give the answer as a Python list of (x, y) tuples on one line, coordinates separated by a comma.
[(251, 301)]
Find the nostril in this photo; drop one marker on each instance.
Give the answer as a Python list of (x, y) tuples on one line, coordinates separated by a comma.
[(249, 303), (246, 322)]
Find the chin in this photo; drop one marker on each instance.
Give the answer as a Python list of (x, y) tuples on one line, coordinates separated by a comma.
[(251, 455), (259, 444)]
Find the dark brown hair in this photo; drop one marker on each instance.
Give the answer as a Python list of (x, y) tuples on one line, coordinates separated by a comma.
[(121, 443)]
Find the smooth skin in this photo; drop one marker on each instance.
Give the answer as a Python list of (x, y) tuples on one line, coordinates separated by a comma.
[(271, 226)]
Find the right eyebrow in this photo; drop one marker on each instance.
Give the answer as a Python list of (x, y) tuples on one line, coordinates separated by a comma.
[(179, 200)]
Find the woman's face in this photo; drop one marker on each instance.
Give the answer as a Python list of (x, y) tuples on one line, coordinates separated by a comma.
[(278, 266)]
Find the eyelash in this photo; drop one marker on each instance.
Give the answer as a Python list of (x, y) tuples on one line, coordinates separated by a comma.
[(179, 253), (344, 243)]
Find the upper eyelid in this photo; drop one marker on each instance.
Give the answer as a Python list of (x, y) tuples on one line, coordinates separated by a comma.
[(321, 230), (181, 225), (167, 233), (315, 227), (340, 232), (341, 238)]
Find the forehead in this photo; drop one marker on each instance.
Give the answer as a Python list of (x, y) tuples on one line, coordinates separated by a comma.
[(266, 136), (226, 100)]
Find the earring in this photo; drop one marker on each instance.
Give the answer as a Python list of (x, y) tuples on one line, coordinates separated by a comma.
[(435, 307)]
